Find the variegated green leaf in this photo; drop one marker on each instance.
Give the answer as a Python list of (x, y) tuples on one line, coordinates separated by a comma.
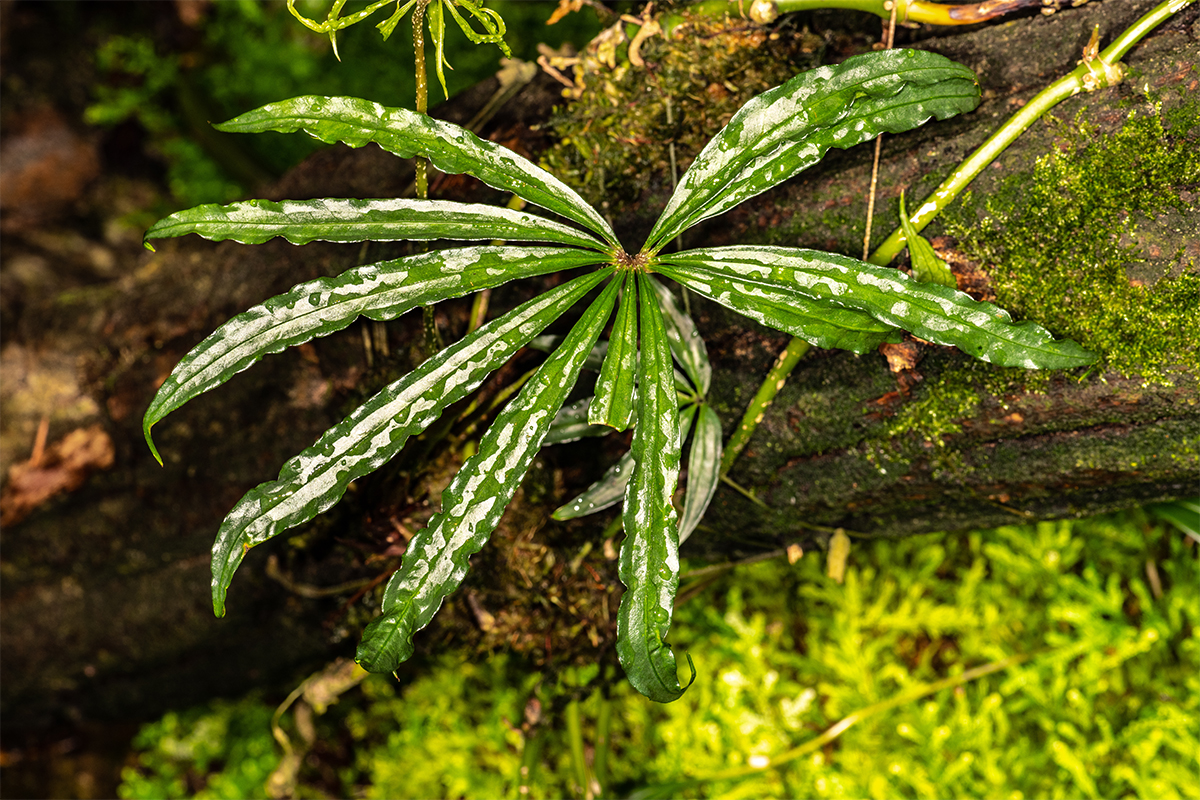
[(317, 478), (571, 424), (320, 307), (817, 322), (610, 489), (449, 147), (649, 563), (686, 343), (436, 560), (332, 220), (935, 313), (926, 266), (788, 129), (704, 471), (593, 362), (614, 390)]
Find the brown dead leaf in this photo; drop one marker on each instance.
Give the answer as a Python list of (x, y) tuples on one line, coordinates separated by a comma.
[(62, 467), (901, 356)]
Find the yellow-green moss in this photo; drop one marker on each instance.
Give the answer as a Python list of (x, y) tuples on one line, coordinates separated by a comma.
[(1100, 241)]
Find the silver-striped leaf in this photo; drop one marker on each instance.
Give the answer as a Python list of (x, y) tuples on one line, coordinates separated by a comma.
[(789, 128), (704, 471), (449, 147), (687, 345), (317, 478), (337, 220), (571, 424), (437, 557), (614, 400)]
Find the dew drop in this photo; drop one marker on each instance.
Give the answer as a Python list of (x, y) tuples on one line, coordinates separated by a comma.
[(665, 573), (659, 616)]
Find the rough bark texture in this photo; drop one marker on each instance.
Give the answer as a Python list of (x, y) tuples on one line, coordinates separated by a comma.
[(106, 602)]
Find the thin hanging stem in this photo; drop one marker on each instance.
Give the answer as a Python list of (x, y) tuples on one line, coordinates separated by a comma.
[(770, 387), (888, 40)]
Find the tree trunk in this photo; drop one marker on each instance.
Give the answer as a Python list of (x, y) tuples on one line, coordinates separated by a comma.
[(106, 603)]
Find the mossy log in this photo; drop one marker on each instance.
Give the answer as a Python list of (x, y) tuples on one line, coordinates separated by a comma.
[(106, 604)]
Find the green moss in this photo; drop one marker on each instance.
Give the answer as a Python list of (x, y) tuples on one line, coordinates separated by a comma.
[(1098, 242)]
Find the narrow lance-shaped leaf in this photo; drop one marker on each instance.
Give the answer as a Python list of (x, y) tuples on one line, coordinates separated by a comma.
[(935, 313), (926, 266), (649, 563), (449, 147), (317, 478), (704, 471), (818, 322), (789, 128), (614, 390), (437, 557), (687, 345), (593, 362), (571, 424), (610, 489), (320, 307), (333, 220)]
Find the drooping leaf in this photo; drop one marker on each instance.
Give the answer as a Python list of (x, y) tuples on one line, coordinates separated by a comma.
[(649, 563), (334, 220), (935, 313), (613, 405), (704, 471), (926, 266), (436, 560), (317, 478), (788, 129), (449, 147), (686, 343), (320, 307), (818, 322), (437, 32), (610, 489), (571, 424)]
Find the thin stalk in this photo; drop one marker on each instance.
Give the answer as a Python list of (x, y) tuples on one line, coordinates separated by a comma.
[(600, 759), (575, 739), (770, 387), (1097, 72), (888, 39), (433, 338)]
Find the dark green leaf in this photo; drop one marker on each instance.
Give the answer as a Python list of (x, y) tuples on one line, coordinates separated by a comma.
[(704, 471), (649, 564), (571, 424), (935, 313), (818, 322), (317, 478), (614, 390), (926, 266), (331, 220), (437, 557), (449, 147), (593, 362), (317, 308), (788, 129), (686, 343)]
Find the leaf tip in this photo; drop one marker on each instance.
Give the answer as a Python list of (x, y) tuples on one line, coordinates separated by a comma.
[(150, 443)]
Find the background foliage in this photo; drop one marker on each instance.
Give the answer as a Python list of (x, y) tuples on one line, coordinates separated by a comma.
[(1108, 705)]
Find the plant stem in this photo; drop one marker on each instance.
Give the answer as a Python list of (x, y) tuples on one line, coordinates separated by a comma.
[(1092, 74), (575, 739), (771, 385), (418, 38), (600, 759)]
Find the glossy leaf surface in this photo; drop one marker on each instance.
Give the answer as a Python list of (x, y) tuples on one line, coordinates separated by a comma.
[(317, 478), (927, 267), (571, 424), (704, 470), (613, 405), (437, 557), (332, 220), (817, 322), (649, 562), (789, 128), (935, 313), (449, 147), (320, 307), (686, 343)]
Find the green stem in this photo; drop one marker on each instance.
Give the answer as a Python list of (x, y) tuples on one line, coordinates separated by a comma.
[(600, 760), (770, 387), (1092, 74), (575, 739)]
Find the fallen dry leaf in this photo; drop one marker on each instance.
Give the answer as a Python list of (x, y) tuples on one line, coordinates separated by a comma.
[(61, 467)]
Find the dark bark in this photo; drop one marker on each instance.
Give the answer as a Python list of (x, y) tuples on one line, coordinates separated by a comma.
[(106, 604)]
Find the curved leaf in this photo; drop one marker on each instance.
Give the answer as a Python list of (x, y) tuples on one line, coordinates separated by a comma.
[(704, 471), (571, 424), (334, 220), (686, 343), (317, 478), (927, 267), (788, 129), (817, 322), (614, 389), (449, 147), (933, 312), (649, 564), (437, 557), (320, 307)]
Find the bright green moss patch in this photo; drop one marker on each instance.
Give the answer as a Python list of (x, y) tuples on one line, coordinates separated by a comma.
[(1100, 242)]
